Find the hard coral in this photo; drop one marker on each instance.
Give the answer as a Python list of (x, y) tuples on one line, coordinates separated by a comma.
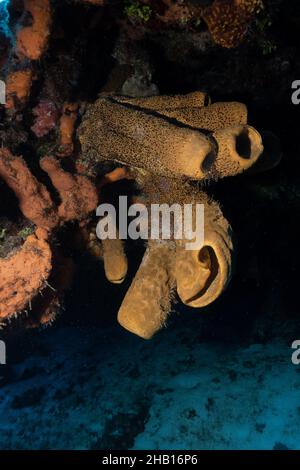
[(228, 20)]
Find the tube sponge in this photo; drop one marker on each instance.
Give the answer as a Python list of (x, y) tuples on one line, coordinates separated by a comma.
[(136, 137), (195, 141), (238, 149), (202, 275), (148, 300), (195, 99), (115, 260), (216, 116)]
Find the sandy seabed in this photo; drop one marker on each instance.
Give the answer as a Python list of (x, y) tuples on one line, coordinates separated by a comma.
[(94, 388)]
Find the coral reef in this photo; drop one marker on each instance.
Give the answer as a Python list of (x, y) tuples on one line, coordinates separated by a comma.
[(165, 142), (166, 146), (25, 271), (101, 102), (227, 20)]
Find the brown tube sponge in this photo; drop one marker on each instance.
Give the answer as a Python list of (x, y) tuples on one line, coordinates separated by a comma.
[(34, 200), (115, 260), (200, 142), (271, 156), (238, 149), (32, 40), (23, 275), (216, 116), (18, 85), (202, 275), (78, 194), (195, 99), (148, 301), (137, 138)]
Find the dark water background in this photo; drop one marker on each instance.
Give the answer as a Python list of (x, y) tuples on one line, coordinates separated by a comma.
[(219, 378)]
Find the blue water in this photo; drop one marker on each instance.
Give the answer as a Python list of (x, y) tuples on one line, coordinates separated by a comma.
[(4, 17), (83, 388)]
